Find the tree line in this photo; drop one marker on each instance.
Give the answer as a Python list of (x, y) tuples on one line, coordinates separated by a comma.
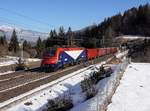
[(60, 38), (13, 46)]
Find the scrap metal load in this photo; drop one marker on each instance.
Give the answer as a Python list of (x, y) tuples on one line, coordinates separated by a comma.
[(56, 58)]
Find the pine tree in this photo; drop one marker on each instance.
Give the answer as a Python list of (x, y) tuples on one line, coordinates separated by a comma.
[(61, 36), (50, 40), (5, 40), (54, 33), (14, 44), (69, 36), (109, 34), (1, 41), (39, 47), (61, 32), (26, 45), (51, 34)]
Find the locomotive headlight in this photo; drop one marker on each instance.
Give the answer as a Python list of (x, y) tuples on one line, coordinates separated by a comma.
[(55, 61)]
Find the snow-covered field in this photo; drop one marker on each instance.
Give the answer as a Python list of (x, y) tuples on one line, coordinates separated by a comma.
[(133, 93), (9, 60)]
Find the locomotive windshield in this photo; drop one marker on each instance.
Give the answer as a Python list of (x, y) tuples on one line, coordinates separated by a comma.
[(50, 52)]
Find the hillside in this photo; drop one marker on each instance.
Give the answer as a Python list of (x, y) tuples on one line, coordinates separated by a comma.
[(28, 35), (143, 57), (135, 21)]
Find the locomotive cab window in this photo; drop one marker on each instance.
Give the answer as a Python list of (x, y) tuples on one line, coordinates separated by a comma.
[(60, 56), (50, 52)]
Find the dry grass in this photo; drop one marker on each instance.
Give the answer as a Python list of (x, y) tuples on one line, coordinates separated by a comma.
[(114, 60)]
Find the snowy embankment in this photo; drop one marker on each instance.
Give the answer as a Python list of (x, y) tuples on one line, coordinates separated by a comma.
[(120, 55), (133, 93), (131, 37), (106, 88), (92, 104), (7, 61), (10, 60)]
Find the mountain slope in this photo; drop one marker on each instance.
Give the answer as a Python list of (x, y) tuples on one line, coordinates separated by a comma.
[(28, 35)]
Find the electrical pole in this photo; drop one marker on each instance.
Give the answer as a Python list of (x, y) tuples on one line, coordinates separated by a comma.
[(103, 41), (21, 41), (21, 45), (71, 40)]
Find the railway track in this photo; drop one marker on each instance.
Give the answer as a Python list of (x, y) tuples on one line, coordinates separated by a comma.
[(17, 86), (20, 79), (12, 85)]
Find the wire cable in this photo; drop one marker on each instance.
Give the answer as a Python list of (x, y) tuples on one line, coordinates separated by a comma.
[(27, 17)]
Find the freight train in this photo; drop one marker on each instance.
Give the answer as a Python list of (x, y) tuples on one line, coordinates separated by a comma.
[(56, 58)]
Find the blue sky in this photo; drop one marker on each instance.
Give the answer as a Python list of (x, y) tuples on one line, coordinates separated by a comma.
[(43, 15)]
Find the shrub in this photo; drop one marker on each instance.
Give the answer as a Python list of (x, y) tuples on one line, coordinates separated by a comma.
[(88, 84), (91, 92), (28, 103), (60, 104)]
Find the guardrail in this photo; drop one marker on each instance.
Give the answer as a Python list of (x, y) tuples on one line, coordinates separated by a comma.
[(104, 95)]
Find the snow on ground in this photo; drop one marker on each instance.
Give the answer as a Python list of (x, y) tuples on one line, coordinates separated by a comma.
[(120, 55), (9, 60), (133, 93), (92, 104), (131, 37), (70, 85), (32, 59)]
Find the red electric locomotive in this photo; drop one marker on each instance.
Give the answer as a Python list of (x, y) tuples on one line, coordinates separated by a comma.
[(57, 58)]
